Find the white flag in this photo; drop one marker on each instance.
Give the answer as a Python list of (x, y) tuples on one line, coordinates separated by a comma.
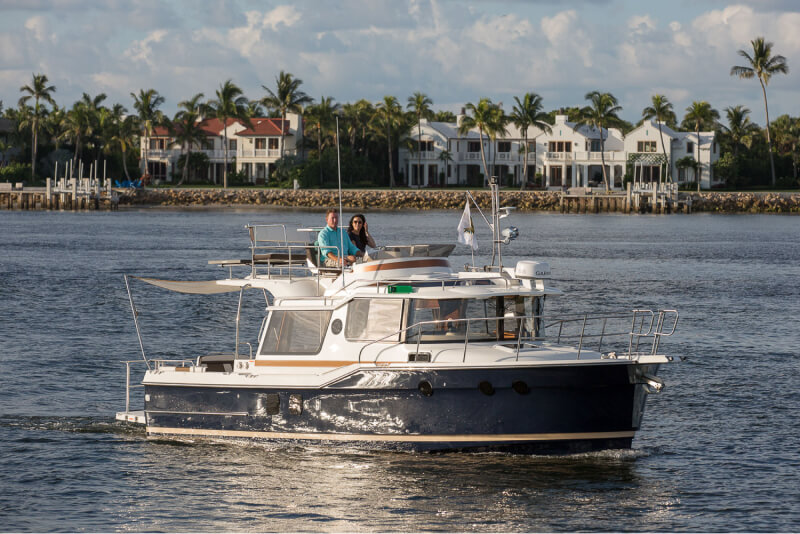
[(466, 230)]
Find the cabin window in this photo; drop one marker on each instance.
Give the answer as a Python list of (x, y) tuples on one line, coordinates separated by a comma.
[(295, 332), (445, 320), (374, 319)]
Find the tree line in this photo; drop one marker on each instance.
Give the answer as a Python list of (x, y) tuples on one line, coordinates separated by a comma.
[(370, 134)]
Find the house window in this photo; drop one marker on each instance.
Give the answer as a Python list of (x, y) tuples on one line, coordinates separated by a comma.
[(596, 146), (714, 147), (473, 146), (426, 146), (646, 146), (208, 143), (261, 143), (232, 144), (504, 146), (273, 143), (689, 147), (560, 146)]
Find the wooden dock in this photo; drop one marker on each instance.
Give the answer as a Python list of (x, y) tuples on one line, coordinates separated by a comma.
[(72, 194), (638, 198)]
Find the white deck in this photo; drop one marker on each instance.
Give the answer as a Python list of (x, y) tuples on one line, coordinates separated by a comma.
[(135, 417)]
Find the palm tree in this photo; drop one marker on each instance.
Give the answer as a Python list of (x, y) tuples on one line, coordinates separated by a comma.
[(602, 113), (700, 115), (38, 90), (390, 121), (185, 127), (740, 130), (229, 104), (420, 104), (124, 137), (787, 139), (287, 97), (661, 110), (322, 118), (484, 118), (78, 125), (526, 113), (446, 157), (146, 103), (762, 65)]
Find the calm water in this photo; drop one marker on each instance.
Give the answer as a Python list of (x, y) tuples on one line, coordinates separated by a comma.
[(719, 448)]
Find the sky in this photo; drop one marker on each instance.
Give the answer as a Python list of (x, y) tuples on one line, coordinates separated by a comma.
[(454, 51)]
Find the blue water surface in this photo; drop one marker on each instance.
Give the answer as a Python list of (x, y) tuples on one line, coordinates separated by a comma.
[(719, 449)]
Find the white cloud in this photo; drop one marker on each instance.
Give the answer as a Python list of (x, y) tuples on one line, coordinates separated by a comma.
[(641, 24), (453, 51)]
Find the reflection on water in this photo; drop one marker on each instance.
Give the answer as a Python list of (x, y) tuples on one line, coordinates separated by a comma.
[(717, 450)]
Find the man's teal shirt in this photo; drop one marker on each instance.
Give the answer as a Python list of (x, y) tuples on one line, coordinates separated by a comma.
[(329, 240)]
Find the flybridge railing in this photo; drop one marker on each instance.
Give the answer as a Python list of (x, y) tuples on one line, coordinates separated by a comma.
[(645, 328)]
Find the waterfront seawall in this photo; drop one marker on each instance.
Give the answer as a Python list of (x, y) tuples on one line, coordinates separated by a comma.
[(716, 202)]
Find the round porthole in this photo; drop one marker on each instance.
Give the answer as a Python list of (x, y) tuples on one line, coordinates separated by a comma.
[(426, 388), (520, 387), (336, 326), (486, 388)]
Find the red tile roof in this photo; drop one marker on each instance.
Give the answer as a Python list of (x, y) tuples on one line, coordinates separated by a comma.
[(263, 126), (213, 127)]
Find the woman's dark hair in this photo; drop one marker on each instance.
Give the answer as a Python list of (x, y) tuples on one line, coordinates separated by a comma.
[(361, 233)]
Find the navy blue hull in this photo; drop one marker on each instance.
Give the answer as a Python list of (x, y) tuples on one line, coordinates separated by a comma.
[(546, 409)]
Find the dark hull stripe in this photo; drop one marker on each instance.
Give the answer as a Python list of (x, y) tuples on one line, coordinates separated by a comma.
[(448, 438)]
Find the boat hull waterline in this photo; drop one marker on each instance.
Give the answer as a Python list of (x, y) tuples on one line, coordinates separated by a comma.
[(548, 409)]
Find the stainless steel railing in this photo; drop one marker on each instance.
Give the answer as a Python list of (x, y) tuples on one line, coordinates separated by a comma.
[(644, 325)]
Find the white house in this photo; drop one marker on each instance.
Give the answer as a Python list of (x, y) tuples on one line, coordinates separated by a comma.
[(645, 143), (252, 150), (566, 156)]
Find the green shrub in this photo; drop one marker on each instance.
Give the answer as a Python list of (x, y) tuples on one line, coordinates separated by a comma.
[(15, 172)]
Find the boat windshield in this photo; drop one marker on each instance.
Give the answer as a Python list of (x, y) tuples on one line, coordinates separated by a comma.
[(491, 319)]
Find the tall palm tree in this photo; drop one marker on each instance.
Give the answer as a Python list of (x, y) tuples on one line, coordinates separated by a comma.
[(601, 113), (484, 118), (230, 103), (420, 104), (762, 65), (390, 121), (526, 113), (322, 118), (740, 130), (700, 115), (78, 125), (661, 110), (287, 97), (146, 104), (124, 138), (40, 92), (185, 127)]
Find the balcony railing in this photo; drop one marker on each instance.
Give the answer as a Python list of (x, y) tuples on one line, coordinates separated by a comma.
[(260, 153), (610, 155), (469, 156)]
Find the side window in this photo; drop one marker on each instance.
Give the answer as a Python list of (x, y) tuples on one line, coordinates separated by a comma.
[(373, 319), (295, 332)]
